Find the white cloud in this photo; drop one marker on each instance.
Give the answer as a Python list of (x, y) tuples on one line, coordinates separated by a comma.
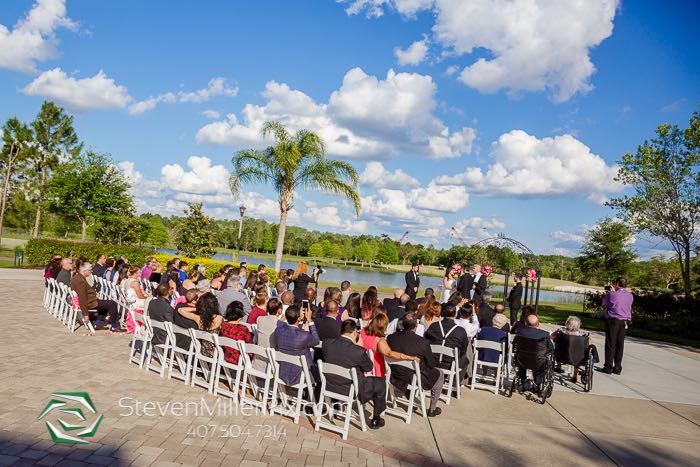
[(376, 176), (211, 114), (526, 166), (216, 87), (33, 39), (202, 178), (365, 118), (533, 45), (330, 216), (473, 229), (413, 55), (96, 92)]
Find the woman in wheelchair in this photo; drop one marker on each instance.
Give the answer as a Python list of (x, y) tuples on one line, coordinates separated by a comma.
[(573, 348)]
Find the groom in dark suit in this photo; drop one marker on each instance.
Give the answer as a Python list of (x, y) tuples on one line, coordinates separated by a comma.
[(472, 284), (514, 299), (412, 281)]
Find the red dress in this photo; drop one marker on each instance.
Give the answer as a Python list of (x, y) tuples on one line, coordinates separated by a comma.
[(235, 331), (256, 313)]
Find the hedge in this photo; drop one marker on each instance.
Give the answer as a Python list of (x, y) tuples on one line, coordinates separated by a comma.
[(39, 251), (212, 265)]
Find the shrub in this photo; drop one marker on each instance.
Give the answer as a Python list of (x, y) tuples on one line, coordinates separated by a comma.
[(212, 265), (39, 251)]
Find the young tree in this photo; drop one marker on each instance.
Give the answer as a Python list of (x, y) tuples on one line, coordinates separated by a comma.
[(388, 254), (56, 141), (363, 252), (665, 177), (606, 253), (118, 229), (294, 162), (196, 235), (88, 188), (315, 251), (17, 143)]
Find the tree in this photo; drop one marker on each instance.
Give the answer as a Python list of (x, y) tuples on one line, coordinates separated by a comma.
[(605, 253), (347, 250), (663, 273), (294, 162), (17, 142), (158, 235), (388, 254), (336, 251), (327, 248), (56, 140), (196, 235), (666, 181), (315, 250), (267, 240), (89, 188), (363, 252), (118, 229)]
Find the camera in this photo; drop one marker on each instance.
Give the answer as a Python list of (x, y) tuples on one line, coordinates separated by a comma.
[(320, 269)]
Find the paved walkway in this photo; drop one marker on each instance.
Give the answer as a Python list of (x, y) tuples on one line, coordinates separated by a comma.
[(650, 415)]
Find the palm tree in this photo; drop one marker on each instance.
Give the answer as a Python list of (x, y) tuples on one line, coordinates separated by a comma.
[(294, 162)]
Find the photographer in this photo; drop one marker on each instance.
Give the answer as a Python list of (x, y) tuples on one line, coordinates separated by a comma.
[(297, 337), (301, 280)]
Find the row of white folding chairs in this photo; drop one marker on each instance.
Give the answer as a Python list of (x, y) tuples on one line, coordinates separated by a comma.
[(58, 301)]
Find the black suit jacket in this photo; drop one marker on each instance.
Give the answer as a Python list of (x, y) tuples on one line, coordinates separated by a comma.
[(412, 280), (160, 310), (466, 282), (515, 296), (410, 343), (457, 338), (391, 304), (343, 352), (179, 320), (396, 313), (327, 328), (485, 314)]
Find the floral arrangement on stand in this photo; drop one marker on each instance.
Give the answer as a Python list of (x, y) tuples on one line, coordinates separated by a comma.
[(531, 275), (486, 269)]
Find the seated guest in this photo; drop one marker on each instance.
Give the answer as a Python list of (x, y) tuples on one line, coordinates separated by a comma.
[(258, 311), (485, 312), (64, 274), (399, 311), (409, 343), (182, 270), (373, 338), (280, 288), (334, 294), (493, 333), (234, 329), (53, 267), (287, 299), (531, 330), (572, 327), (207, 317), (391, 303), (329, 326), (192, 279), (147, 269), (99, 268), (190, 303), (110, 271), (87, 298), (448, 333), (468, 319), (267, 324), (395, 325), (500, 309), (296, 337), (220, 277), (347, 352), (159, 309), (232, 293), (345, 291), (157, 273), (429, 294), (367, 305), (310, 296), (528, 310), (352, 306), (431, 313)]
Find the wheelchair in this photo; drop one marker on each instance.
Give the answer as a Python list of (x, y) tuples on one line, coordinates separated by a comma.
[(580, 354), (534, 355)]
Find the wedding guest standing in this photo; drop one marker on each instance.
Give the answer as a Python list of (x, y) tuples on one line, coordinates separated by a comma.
[(618, 311), (514, 299), (413, 281)]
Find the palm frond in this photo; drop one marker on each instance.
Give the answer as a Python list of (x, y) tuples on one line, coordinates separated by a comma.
[(251, 166), (331, 176)]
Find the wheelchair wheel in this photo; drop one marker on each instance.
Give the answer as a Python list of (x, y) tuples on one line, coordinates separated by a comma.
[(547, 382), (589, 374)]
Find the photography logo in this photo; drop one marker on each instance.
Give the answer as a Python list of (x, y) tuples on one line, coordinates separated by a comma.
[(69, 406)]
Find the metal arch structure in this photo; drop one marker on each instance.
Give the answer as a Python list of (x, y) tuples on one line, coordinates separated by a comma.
[(531, 294)]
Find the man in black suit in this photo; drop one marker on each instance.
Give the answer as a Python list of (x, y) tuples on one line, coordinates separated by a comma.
[(473, 284), (531, 331), (413, 281), (159, 309), (399, 311), (328, 327), (409, 343), (392, 303), (347, 351), (486, 311), (448, 333), (514, 298)]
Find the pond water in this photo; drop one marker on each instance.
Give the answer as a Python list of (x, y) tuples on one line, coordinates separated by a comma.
[(389, 279)]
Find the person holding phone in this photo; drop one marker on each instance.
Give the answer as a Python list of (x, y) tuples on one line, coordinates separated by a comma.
[(297, 337)]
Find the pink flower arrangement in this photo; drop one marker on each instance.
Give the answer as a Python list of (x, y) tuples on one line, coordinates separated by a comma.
[(486, 270), (531, 275), (457, 268)]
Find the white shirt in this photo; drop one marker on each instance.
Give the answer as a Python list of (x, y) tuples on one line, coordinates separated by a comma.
[(470, 325), (391, 329)]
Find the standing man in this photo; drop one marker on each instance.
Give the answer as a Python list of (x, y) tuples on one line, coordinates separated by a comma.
[(413, 281), (472, 284), (618, 311), (514, 299)]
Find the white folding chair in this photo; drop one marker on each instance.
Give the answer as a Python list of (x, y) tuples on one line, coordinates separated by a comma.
[(282, 403), (327, 398), (181, 357), (202, 363), (140, 341), (508, 358), (161, 351), (498, 367), (416, 396), (252, 376), (451, 374), (233, 372), (75, 315)]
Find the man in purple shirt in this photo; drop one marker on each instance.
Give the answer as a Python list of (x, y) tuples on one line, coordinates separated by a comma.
[(618, 310)]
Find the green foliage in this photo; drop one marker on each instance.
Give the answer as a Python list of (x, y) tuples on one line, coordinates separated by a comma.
[(606, 253), (39, 251), (267, 244), (664, 174), (120, 230), (196, 235), (363, 252), (214, 265), (315, 250), (388, 254), (17, 146)]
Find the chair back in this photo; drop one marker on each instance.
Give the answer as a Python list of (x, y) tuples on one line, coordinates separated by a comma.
[(184, 334), (277, 357), (571, 350), (326, 369), (529, 353), (223, 343)]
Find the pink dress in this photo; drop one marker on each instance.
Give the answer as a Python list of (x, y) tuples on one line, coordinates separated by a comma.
[(370, 343)]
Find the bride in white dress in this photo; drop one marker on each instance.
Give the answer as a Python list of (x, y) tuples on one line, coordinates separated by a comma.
[(448, 284)]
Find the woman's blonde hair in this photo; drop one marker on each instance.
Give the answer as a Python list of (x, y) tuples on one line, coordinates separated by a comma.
[(261, 298), (302, 268)]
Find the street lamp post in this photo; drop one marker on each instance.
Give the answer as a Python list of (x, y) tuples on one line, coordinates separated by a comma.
[(240, 232)]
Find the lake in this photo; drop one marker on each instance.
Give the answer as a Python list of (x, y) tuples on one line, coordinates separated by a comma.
[(386, 278)]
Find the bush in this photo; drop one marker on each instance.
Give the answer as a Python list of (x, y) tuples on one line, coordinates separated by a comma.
[(39, 251), (660, 312), (212, 265)]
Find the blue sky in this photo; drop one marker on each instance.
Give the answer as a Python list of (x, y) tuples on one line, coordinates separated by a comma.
[(491, 116)]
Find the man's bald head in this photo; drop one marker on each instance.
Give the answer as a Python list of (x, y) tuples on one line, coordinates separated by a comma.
[(332, 308), (310, 294), (398, 293), (404, 299), (287, 298), (532, 321)]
